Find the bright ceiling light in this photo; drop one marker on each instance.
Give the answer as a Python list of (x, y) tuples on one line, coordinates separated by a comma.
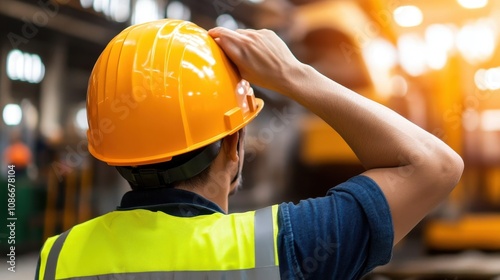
[(476, 41), (98, 5), (473, 4), (439, 40), (381, 57), (12, 114), (86, 3), (412, 54), (178, 10), (487, 79), (381, 54), (119, 10), (489, 120), (480, 79), (440, 36), (227, 21), (145, 10), (435, 58), (492, 78), (81, 120), (25, 67), (14, 59), (408, 16)]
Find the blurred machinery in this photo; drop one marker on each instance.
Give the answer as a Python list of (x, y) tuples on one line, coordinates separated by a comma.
[(436, 63)]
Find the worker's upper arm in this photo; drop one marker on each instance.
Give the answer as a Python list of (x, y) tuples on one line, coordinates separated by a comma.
[(409, 193), (343, 235)]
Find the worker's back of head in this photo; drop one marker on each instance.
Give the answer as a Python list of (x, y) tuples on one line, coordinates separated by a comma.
[(161, 97)]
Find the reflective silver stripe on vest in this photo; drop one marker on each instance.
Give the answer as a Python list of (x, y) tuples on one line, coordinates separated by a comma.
[(263, 273), (265, 267), (264, 237), (51, 264)]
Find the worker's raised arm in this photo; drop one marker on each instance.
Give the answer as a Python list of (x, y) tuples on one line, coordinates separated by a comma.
[(414, 169)]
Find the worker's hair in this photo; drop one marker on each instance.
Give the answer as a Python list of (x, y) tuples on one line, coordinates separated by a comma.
[(197, 180)]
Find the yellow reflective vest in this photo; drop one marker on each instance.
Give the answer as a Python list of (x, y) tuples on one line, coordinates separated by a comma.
[(141, 244)]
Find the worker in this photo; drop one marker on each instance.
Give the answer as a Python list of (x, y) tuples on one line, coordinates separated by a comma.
[(167, 107), (18, 154)]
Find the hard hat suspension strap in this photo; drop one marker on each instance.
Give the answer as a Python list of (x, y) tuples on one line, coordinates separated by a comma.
[(153, 176)]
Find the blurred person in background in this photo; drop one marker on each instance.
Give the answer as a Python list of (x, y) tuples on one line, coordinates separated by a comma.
[(169, 110), (17, 153)]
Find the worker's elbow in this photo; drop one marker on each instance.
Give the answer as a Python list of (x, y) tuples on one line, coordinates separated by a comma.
[(458, 168), (450, 168)]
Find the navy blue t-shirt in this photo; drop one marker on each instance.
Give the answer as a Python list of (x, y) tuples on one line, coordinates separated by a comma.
[(341, 236)]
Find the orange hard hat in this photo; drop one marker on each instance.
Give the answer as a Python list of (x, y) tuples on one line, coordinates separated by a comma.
[(162, 89)]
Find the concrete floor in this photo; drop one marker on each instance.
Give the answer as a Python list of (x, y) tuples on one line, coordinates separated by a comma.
[(465, 265)]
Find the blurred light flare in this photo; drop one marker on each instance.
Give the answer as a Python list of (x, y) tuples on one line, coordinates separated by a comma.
[(380, 53), (470, 120), (120, 10), (473, 4), (399, 86), (86, 3), (25, 67), (12, 114), (28, 67), (412, 54), (490, 120), (145, 10), (98, 5), (178, 10), (117, 10), (492, 78), (81, 120), (227, 21), (439, 41), (408, 16), (487, 79), (381, 57), (12, 63), (440, 36), (30, 114), (435, 58), (480, 79), (476, 41)]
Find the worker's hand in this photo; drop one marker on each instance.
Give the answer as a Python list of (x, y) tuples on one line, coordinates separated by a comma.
[(260, 55)]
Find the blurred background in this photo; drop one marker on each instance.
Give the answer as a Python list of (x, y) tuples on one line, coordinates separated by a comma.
[(435, 62)]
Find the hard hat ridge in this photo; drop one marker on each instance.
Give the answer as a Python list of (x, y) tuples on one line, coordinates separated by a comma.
[(162, 89)]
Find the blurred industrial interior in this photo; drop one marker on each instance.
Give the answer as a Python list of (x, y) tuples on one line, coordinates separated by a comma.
[(435, 62)]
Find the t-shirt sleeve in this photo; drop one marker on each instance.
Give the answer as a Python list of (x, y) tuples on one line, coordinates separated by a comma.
[(343, 235)]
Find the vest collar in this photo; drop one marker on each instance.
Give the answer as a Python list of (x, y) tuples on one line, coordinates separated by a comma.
[(174, 202)]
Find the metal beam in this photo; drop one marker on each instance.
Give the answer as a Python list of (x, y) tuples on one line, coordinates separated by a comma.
[(57, 21)]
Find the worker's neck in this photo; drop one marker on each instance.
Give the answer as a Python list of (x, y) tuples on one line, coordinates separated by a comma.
[(219, 183), (213, 190)]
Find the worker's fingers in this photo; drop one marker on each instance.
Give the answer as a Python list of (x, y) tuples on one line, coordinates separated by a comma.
[(260, 55), (229, 40), (245, 31), (218, 32)]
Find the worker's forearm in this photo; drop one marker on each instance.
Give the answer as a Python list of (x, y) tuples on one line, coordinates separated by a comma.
[(379, 136)]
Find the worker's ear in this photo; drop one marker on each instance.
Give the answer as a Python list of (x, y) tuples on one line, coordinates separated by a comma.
[(230, 146)]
